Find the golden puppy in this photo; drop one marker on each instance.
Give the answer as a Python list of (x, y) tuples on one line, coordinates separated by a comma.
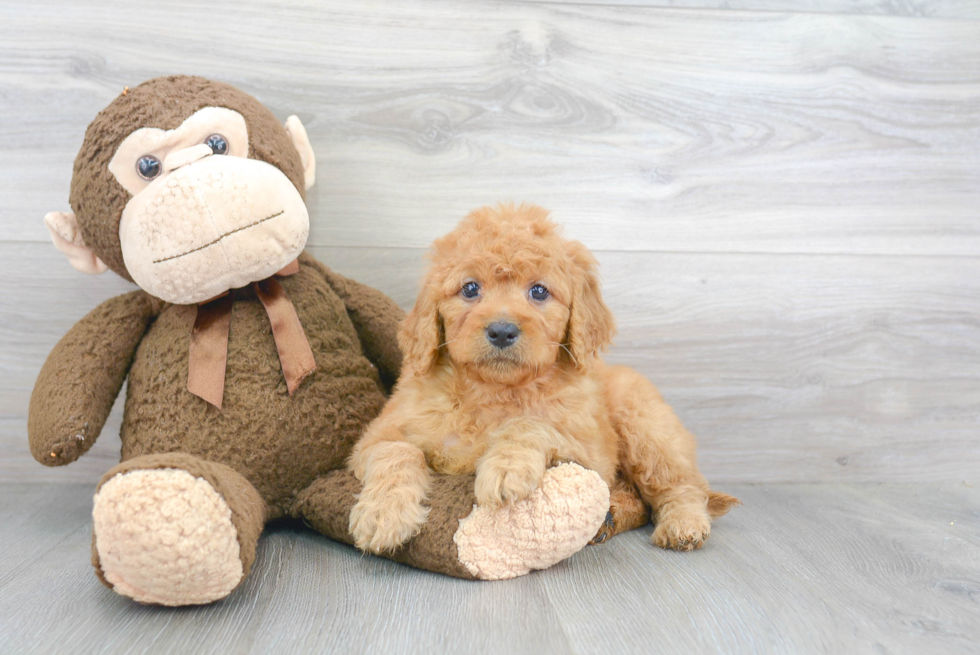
[(501, 376)]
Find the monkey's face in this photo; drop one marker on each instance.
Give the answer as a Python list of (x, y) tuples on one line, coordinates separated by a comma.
[(188, 187), (203, 217)]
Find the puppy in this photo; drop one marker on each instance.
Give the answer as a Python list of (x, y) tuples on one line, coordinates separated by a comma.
[(502, 376)]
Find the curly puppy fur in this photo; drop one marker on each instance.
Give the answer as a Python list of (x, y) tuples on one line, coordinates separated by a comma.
[(508, 407)]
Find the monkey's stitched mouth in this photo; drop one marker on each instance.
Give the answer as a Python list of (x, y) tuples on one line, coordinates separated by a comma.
[(208, 245)]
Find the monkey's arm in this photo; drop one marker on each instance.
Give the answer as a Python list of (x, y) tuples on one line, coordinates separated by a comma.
[(376, 318), (82, 376)]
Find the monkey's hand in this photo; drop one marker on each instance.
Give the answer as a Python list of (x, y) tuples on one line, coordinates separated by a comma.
[(82, 376)]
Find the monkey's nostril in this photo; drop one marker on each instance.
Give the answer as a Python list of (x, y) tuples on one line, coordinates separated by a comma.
[(503, 335)]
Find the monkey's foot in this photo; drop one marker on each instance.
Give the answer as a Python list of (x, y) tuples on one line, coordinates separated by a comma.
[(556, 521), (165, 536)]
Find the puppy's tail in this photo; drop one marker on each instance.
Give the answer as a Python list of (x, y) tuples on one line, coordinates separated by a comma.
[(719, 503)]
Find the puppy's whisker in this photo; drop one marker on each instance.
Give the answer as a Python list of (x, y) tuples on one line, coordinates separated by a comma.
[(448, 342), (565, 348)]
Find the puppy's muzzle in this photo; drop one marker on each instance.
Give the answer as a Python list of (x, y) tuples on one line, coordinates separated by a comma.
[(503, 335)]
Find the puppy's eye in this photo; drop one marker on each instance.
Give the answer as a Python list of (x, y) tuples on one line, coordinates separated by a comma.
[(539, 292), (148, 167), (470, 290), (217, 143)]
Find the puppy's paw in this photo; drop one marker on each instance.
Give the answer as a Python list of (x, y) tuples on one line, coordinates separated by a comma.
[(682, 530), (381, 523), (500, 481)]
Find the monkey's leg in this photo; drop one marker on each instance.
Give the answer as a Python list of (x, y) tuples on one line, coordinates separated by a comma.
[(627, 511), (465, 541), (173, 529)]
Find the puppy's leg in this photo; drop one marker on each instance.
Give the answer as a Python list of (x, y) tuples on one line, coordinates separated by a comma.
[(517, 454), (658, 456), (627, 511), (389, 509)]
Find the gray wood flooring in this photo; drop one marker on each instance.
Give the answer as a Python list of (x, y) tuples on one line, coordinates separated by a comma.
[(828, 568), (785, 199)]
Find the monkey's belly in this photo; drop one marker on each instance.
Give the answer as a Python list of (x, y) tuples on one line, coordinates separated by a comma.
[(280, 443)]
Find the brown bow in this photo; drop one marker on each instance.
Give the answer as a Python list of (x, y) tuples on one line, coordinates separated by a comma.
[(208, 355)]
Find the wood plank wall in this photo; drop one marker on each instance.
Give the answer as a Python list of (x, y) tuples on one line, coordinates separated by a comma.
[(784, 196)]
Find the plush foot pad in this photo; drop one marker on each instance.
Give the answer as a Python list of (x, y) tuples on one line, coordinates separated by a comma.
[(557, 520), (164, 536)]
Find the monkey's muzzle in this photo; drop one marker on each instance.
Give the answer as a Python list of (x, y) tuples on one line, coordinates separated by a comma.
[(215, 224)]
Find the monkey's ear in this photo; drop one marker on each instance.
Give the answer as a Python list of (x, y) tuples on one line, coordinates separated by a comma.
[(64, 232), (297, 133)]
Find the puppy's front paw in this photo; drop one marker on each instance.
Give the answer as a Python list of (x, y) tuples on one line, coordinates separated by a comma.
[(381, 523), (682, 530), (500, 481)]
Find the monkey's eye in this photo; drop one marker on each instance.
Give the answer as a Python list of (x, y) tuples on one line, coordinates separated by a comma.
[(470, 290), (217, 143), (148, 167), (539, 292)]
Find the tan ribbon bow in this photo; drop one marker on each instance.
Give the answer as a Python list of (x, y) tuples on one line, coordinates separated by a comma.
[(208, 355)]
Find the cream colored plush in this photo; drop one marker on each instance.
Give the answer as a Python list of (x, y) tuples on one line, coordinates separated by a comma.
[(228, 221), (297, 134), (162, 143), (63, 228), (551, 524), (152, 557)]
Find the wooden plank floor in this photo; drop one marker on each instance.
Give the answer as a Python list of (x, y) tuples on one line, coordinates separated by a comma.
[(799, 568)]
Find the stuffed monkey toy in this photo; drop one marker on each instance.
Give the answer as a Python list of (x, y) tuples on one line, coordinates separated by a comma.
[(252, 367)]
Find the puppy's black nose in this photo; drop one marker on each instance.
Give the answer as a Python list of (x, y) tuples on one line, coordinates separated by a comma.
[(503, 335)]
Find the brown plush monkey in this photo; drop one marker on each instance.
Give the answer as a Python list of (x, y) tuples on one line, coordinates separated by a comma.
[(252, 367)]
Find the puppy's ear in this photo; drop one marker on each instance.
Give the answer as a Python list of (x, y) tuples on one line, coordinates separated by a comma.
[(591, 325), (420, 334)]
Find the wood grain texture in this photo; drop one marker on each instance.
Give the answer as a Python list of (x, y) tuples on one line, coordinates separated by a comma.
[(784, 197), (643, 128), (788, 368), (800, 568), (965, 9)]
